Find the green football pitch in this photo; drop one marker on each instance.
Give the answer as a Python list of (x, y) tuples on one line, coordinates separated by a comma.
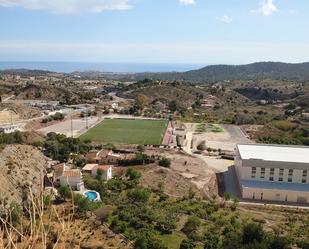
[(127, 131)]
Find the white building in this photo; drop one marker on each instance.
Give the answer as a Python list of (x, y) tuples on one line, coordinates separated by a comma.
[(9, 128), (273, 172), (68, 177), (106, 172), (89, 167)]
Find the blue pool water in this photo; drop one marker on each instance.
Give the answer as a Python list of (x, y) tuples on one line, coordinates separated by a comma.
[(91, 195)]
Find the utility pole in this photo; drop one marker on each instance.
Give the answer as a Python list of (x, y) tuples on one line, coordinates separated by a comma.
[(71, 126), (87, 119)]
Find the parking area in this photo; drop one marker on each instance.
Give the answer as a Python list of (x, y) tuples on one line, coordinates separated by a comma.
[(226, 139), (77, 126)]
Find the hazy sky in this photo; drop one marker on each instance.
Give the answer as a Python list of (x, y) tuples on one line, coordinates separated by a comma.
[(155, 31)]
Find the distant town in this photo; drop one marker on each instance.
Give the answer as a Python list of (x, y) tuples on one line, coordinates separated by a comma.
[(124, 161)]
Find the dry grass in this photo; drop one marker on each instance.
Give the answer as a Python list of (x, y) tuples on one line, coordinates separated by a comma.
[(35, 228), (56, 226)]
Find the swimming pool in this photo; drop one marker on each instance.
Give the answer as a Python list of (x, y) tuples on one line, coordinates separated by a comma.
[(92, 195)]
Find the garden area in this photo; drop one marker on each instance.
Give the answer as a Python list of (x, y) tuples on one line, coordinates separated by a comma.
[(152, 219), (201, 128)]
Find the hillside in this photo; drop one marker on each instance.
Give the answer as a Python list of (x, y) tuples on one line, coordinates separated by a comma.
[(33, 91), (259, 70), (48, 93), (21, 169)]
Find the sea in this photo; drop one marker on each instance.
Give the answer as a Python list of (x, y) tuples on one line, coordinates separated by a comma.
[(69, 67)]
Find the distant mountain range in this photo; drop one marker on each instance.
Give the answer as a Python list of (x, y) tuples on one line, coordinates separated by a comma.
[(259, 70), (254, 71)]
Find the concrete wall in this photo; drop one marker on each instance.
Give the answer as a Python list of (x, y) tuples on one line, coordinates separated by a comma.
[(275, 195)]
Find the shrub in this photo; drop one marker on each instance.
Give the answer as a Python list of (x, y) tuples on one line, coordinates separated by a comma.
[(84, 204), (187, 244), (202, 146), (165, 162), (102, 214), (133, 174), (227, 196), (166, 224), (192, 225), (64, 192), (278, 242), (148, 241), (141, 148), (283, 125), (252, 233), (139, 195)]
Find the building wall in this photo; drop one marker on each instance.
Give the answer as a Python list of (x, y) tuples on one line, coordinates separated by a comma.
[(275, 195), (74, 182), (109, 160), (106, 175), (244, 172)]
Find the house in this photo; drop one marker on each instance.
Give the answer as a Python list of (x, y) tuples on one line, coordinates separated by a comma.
[(273, 172), (64, 176), (9, 128), (58, 170), (89, 167), (72, 178), (106, 172), (208, 102), (103, 157)]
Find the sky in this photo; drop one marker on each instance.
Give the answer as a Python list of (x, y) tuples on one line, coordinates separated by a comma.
[(155, 31)]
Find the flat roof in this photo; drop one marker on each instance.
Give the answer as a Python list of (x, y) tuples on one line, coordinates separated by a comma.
[(275, 185), (89, 167), (279, 153)]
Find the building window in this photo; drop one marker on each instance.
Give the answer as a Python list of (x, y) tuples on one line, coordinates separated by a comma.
[(271, 178), (272, 171), (289, 179), (290, 172), (262, 173), (253, 172), (280, 179), (281, 171), (304, 178)]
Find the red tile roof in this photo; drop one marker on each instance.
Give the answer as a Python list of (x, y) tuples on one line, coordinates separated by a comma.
[(71, 173), (103, 167)]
